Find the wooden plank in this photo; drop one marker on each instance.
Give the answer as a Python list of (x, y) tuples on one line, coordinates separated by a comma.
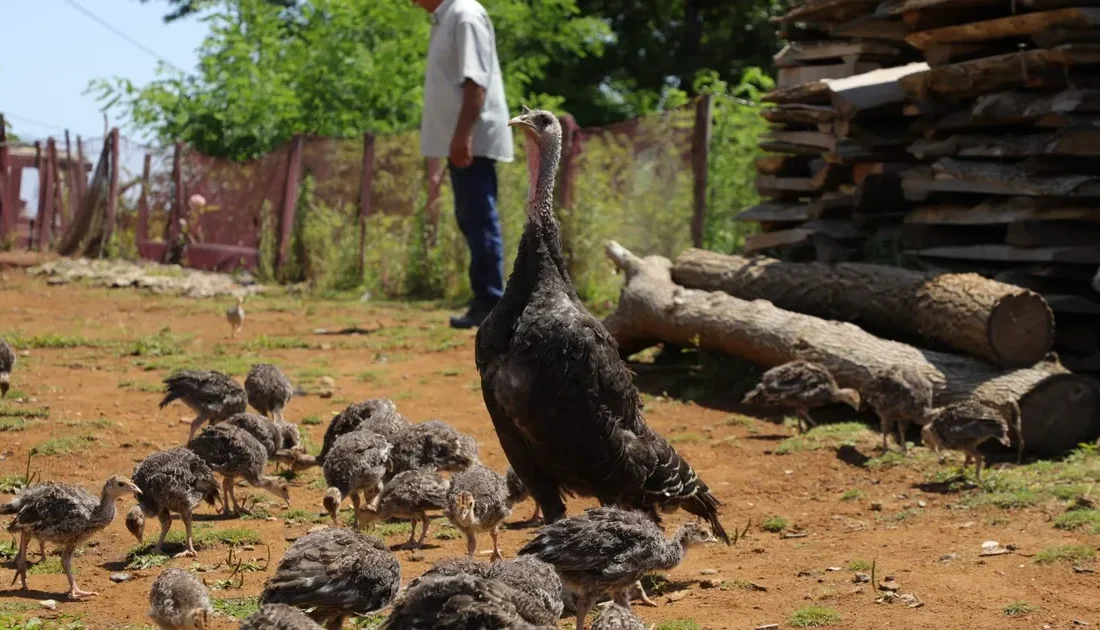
[(797, 75), (840, 230), (1019, 25), (1029, 68), (777, 212), (1014, 107), (1052, 233), (1072, 142), (1002, 212), (816, 93), (1010, 254), (825, 10), (944, 54), (994, 178), (854, 95), (788, 165), (815, 139), (898, 7), (795, 53), (772, 186), (872, 27), (799, 114)]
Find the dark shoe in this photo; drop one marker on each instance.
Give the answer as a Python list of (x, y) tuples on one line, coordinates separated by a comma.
[(472, 319)]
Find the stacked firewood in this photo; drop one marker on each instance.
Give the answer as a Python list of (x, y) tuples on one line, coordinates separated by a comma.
[(992, 159)]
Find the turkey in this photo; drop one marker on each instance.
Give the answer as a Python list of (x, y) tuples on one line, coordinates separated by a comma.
[(235, 316), (465, 602), (176, 480), (179, 601), (7, 364), (966, 425), (562, 401), (433, 444), (899, 396), (66, 515), (355, 466), (234, 453), (268, 390), (279, 617), (800, 385), (410, 495), (334, 573), (211, 395), (477, 501)]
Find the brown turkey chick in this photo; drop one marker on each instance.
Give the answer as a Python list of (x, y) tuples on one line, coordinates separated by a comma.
[(800, 385)]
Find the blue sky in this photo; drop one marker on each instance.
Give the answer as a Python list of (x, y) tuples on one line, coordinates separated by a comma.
[(51, 51)]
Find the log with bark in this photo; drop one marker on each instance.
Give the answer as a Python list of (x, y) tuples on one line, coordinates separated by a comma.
[(1060, 409), (1000, 323)]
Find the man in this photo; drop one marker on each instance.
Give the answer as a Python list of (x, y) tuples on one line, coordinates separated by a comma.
[(466, 120)]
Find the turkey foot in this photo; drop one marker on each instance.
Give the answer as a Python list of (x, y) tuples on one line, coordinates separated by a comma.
[(76, 593), (638, 591)]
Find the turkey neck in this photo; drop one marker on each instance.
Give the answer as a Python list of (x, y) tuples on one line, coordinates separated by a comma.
[(674, 549), (540, 260), (104, 512)]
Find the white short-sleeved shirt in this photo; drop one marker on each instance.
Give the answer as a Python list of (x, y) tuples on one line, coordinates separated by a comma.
[(463, 46)]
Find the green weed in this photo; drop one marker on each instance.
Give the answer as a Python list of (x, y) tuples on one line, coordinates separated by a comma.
[(1066, 553), (853, 494), (774, 524), (1083, 519), (65, 445), (24, 412), (814, 617), (1019, 609), (236, 607)]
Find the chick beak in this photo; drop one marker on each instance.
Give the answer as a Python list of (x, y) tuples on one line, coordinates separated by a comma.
[(137, 490)]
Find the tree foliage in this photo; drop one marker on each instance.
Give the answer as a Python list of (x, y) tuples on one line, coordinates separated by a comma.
[(327, 67)]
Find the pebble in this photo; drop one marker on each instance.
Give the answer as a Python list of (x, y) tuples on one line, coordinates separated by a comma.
[(876, 506), (767, 626), (119, 578), (948, 557), (833, 569), (709, 572), (711, 583), (922, 503), (889, 585), (861, 578), (677, 596), (48, 604)]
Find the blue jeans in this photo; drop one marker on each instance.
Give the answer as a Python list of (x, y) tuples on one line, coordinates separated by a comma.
[(475, 189)]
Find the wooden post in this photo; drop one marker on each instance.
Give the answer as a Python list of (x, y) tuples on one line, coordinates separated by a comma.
[(45, 194), (143, 202), (366, 184), (70, 183), (290, 199), (82, 176), (700, 152), (8, 202), (434, 168), (172, 228), (112, 191), (40, 170), (57, 216)]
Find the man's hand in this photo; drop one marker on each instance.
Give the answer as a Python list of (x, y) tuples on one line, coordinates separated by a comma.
[(462, 149)]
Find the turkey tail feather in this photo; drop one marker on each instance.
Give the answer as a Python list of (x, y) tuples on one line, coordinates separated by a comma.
[(674, 482)]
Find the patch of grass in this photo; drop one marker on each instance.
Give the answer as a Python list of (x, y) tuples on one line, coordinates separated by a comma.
[(1065, 553), (889, 459), (774, 524), (50, 566), (368, 376), (65, 445), (859, 565), (8, 550), (814, 617), (298, 515), (263, 342), (24, 412), (738, 420), (824, 436), (853, 494), (12, 424), (204, 537), (1019, 609), (139, 386), (146, 560), (98, 423), (55, 342), (1088, 520), (1008, 500), (450, 372), (236, 607), (370, 622), (10, 484), (391, 529), (312, 419), (447, 532), (902, 516), (687, 438), (743, 585), (163, 343), (678, 624)]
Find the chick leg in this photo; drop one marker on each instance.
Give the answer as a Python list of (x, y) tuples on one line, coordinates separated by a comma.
[(165, 519), (233, 496), (21, 560), (471, 544), (411, 542), (190, 551), (805, 422), (903, 429), (355, 508), (584, 604), (424, 520), (42, 548), (195, 424), (495, 533), (638, 591), (67, 564), (884, 428)]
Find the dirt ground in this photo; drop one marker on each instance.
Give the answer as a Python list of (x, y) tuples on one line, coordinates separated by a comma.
[(96, 357)]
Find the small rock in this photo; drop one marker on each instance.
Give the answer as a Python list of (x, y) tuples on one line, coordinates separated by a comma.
[(709, 572), (119, 578), (248, 547), (676, 596), (948, 557), (1083, 570), (833, 569), (922, 503), (710, 583), (876, 506), (316, 528), (990, 544), (1078, 622), (910, 600), (767, 626), (328, 393), (48, 604), (861, 578), (92, 544), (889, 586)]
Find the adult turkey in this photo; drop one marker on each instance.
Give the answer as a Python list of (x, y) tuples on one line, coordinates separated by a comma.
[(562, 401)]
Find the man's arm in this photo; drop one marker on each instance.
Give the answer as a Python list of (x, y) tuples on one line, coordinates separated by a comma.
[(473, 46), (473, 99)]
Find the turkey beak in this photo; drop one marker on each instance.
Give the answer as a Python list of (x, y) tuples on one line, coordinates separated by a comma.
[(137, 490), (523, 120)]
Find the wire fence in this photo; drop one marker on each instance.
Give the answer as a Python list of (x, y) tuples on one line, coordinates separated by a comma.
[(370, 213)]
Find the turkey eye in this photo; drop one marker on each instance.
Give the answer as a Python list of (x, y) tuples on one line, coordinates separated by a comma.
[(543, 120)]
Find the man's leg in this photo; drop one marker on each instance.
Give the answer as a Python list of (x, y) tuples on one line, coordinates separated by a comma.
[(475, 189)]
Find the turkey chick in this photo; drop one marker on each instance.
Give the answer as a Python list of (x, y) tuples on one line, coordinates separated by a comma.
[(235, 316), (234, 453), (464, 602), (7, 364), (800, 385), (966, 425), (179, 601), (378, 415), (211, 395), (900, 396), (476, 502), (279, 617), (268, 390), (176, 480), (432, 444), (615, 617), (355, 465), (410, 495)]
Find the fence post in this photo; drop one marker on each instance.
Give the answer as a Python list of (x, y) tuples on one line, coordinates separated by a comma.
[(82, 177), (112, 191), (57, 216), (70, 183), (434, 167), (45, 194), (366, 184), (700, 152), (290, 199), (35, 237), (172, 227), (143, 203), (7, 209)]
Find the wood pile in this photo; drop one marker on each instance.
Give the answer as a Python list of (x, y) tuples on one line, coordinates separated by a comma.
[(982, 156)]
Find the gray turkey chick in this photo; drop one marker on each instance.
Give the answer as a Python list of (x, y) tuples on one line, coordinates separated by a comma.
[(378, 415), (615, 617), (476, 502), (432, 444), (234, 453), (336, 572), (518, 493), (456, 565), (900, 396), (7, 364), (179, 601), (800, 385), (410, 495), (268, 390), (607, 551), (966, 425), (355, 465), (279, 617), (176, 480), (65, 515), (25, 495), (537, 579), (235, 316), (464, 602), (211, 395), (271, 435)]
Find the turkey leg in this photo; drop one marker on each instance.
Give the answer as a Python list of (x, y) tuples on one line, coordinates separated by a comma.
[(165, 519), (21, 560), (67, 564), (190, 551)]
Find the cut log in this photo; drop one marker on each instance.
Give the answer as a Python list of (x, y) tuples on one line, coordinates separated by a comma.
[(770, 211), (1030, 68), (1003, 211), (1018, 25), (1059, 409), (1013, 108), (1072, 142), (948, 175), (1000, 323)]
